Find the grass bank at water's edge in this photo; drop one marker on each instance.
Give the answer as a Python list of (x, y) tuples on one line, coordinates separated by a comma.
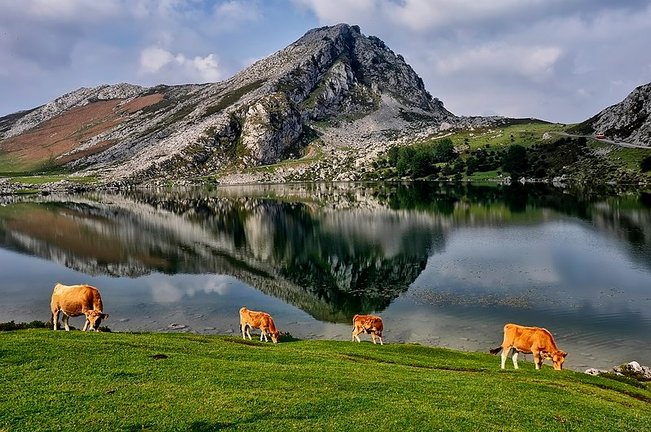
[(161, 381)]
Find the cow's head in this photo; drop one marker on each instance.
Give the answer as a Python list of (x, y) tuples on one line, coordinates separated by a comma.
[(95, 318), (274, 336), (558, 357)]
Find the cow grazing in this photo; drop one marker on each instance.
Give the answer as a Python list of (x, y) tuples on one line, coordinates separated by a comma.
[(251, 319), (75, 300), (536, 340), (368, 324)]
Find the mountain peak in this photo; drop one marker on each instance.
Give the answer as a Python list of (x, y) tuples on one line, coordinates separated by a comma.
[(263, 114)]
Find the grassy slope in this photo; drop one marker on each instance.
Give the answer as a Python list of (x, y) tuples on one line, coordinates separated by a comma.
[(525, 134), (105, 381)]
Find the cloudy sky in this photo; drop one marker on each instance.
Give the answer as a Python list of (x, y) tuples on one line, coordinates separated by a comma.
[(558, 60)]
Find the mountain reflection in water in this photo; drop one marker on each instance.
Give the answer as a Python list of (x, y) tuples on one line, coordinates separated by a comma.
[(336, 250)]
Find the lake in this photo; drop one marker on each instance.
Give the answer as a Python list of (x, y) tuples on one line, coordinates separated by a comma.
[(443, 265)]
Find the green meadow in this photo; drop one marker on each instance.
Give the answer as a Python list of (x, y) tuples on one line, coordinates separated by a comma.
[(187, 382)]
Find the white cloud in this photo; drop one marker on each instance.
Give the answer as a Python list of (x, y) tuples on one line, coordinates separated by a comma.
[(335, 11), (234, 12), (533, 63), (66, 10), (207, 67), (179, 67), (152, 59), (172, 291)]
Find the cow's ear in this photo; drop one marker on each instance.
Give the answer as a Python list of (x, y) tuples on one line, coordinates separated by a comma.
[(105, 316), (564, 354)]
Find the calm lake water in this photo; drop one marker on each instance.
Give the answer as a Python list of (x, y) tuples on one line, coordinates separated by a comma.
[(443, 265)]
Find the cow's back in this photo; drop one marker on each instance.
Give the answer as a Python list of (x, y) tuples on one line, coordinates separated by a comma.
[(524, 338), (75, 299), (370, 322), (254, 318)]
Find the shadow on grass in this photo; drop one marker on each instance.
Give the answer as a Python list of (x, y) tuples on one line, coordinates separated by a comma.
[(360, 357), (255, 341), (204, 426)]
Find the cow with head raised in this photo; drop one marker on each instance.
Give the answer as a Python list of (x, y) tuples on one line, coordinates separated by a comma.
[(369, 324), (75, 300), (252, 319), (536, 340)]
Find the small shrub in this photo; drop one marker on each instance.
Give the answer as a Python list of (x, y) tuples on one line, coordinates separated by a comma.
[(11, 325), (645, 164)]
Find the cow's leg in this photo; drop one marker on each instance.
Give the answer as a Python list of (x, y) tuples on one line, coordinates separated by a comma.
[(263, 334), (243, 328), (380, 337), (537, 360), (55, 319), (505, 354), (373, 337), (86, 324), (65, 319), (515, 358), (356, 332), (248, 331)]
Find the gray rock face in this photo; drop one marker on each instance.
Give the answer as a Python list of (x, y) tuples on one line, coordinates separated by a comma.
[(628, 121), (631, 369), (259, 116), (271, 126), (634, 370)]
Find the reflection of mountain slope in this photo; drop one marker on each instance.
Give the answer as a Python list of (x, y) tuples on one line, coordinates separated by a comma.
[(270, 245), (331, 263)]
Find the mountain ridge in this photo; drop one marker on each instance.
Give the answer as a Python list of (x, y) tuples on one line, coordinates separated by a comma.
[(326, 107), (260, 115), (628, 121)]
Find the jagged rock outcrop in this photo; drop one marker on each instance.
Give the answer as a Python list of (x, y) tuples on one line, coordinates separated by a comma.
[(335, 75), (628, 121)]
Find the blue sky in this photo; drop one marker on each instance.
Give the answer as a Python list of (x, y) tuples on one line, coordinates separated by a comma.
[(559, 60)]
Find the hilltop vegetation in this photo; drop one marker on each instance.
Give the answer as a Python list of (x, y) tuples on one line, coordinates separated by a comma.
[(111, 381), (534, 150)]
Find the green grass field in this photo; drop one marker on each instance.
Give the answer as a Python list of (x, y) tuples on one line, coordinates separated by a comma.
[(525, 134), (185, 382)]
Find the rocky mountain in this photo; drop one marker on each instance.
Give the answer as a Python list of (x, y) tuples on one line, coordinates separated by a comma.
[(628, 121), (333, 86)]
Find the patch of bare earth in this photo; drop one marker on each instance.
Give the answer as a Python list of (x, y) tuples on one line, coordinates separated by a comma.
[(141, 102), (69, 130)]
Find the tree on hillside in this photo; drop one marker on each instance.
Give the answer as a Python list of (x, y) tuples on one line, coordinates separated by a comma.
[(405, 161), (445, 151), (645, 165), (515, 160)]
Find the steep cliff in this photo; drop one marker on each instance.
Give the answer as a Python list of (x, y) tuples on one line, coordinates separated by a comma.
[(628, 121), (333, 82)]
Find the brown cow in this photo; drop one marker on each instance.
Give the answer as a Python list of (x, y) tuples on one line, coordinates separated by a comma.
[(77, 300), (536, 340), (368, 324), (251, 319)]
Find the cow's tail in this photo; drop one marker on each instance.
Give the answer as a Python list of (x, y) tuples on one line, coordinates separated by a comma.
[(496, 350)]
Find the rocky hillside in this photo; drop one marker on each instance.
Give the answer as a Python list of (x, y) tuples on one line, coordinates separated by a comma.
[(333, 87), (628, 121)]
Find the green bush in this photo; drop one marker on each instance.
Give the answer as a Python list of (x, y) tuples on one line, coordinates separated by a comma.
[(645, 164), (515, 160)]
